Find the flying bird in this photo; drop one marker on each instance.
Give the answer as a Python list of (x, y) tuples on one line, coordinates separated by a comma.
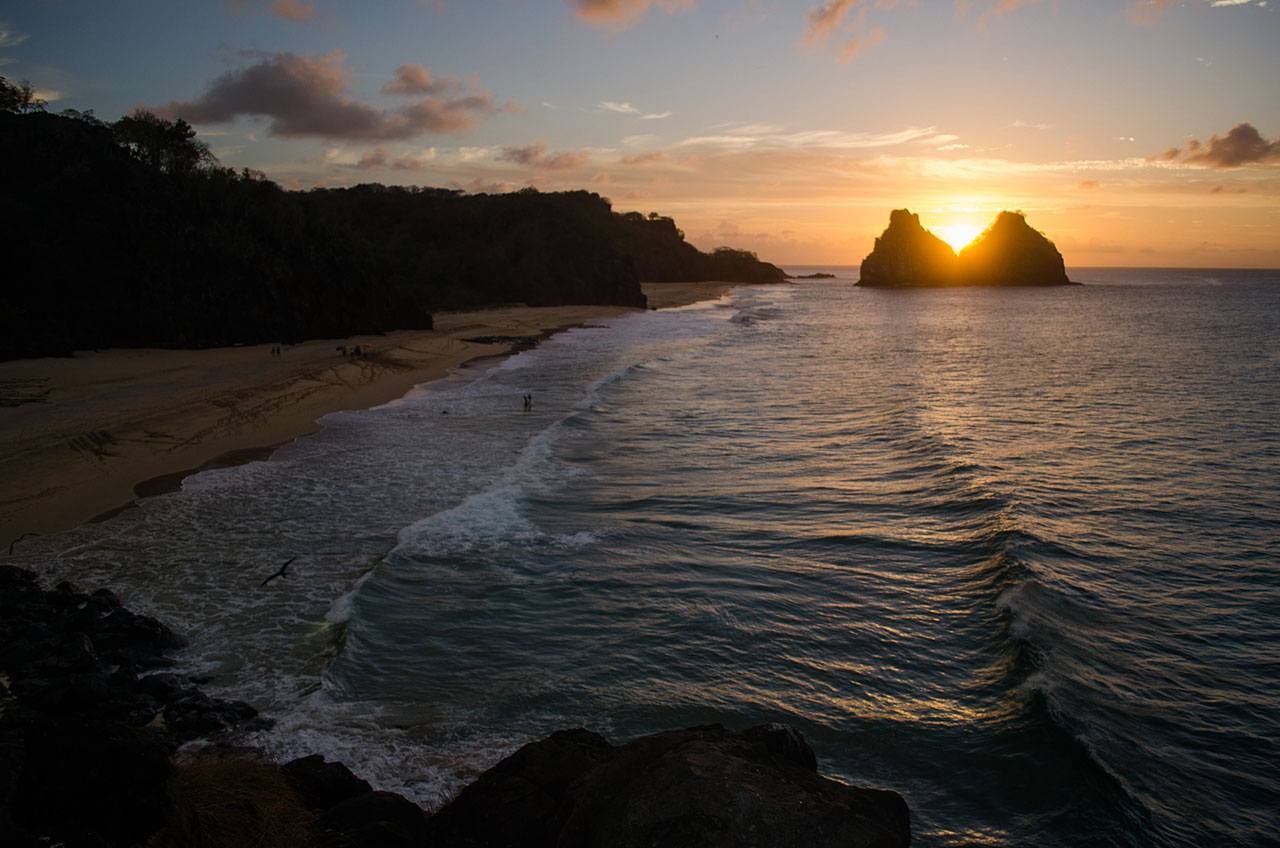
[(19, 539), (279, 573)]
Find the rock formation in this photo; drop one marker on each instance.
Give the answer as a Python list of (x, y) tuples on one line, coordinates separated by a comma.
[(705, 786), (1007, 253), (89, 728), (909, 255), (1011, 253)]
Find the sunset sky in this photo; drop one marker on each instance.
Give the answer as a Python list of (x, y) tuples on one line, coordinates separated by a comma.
[(1142, 133)]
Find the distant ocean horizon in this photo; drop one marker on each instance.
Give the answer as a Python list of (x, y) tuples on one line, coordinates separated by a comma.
[(1013, 553)]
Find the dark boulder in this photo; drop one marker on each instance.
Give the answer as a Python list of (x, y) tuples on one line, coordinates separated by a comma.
[(321, 784), (705, 786), (373, 819), (87, 782)]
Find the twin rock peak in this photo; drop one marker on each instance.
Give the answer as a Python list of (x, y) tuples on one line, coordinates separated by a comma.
[(1008, 253)]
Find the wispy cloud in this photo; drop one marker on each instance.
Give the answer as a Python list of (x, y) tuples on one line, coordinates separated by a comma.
[(380, 157), (826, 139), (650, 157), (293, 10), (843, 22), (305, 97), (536, 156), (416, 79), (1149, 11), (627, 109), (622, 13), (1242, 145), (9, 37), (620, 108)]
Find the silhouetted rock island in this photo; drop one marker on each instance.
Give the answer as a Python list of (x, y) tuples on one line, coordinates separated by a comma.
[(1007, 253)]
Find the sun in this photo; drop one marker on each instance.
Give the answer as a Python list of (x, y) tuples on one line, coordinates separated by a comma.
[(957, 235)]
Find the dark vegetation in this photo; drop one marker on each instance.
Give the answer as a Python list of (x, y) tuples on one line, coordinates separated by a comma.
[(1007, 253), (129, 234)]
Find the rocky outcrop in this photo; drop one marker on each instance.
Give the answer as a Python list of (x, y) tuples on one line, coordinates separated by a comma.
[(1011, 253), (1007, 253), (87, 723), (89, 727), (907, 254), (705, 786)]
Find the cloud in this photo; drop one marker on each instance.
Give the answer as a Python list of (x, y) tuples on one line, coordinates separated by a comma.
[(1222, 189), (649, 158), (857, 44), (843, 24), (382, 158), (1087, 185), (770, 137), (824, 23), (621, 108), (482, 186), (416, 79), (535, 156), (9, 38), (292, 10), (628, 109), (1149, 11), (622, 13), (304, 97), (1242, 145)]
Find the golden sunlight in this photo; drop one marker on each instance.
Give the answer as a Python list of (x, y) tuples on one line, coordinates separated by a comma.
[(957, 235)]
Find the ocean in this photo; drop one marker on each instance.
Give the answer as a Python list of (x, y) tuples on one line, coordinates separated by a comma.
[(1014, 554)]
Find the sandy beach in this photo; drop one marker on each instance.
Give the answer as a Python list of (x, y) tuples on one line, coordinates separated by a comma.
[(82, 437)]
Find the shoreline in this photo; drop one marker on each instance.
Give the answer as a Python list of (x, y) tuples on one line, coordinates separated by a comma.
[(83, 438)]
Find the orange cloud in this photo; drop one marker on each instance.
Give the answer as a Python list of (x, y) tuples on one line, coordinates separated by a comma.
[(1242, 145), (382, 158), (648, 158), (416, 79), (304, 97), (293, 10), (622, 13), (535, 156)]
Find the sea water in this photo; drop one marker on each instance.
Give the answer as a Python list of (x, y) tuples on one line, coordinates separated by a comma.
[(1014, 554)]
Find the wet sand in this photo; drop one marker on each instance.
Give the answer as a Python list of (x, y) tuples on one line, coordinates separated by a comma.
[(82, 437)]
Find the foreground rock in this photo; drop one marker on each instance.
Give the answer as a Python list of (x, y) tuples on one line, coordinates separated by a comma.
[(706, 786), (1007, 253), (87, 722), (89, 729)]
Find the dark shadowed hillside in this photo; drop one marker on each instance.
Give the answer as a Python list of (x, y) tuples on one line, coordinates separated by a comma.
[(104, 250), (130, 235)]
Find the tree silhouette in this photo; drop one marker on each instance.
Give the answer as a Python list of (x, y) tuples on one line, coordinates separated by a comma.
[(168, 146), (20, 98)]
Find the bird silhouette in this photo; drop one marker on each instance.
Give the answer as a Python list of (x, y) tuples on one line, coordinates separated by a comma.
[(19, 539), (279, 573)]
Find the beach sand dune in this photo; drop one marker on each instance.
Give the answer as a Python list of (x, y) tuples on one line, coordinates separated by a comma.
[(82, 437)]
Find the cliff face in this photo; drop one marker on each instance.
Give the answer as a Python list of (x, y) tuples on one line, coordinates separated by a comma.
[(1011, 253), (1008, 253), (909, 255)]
